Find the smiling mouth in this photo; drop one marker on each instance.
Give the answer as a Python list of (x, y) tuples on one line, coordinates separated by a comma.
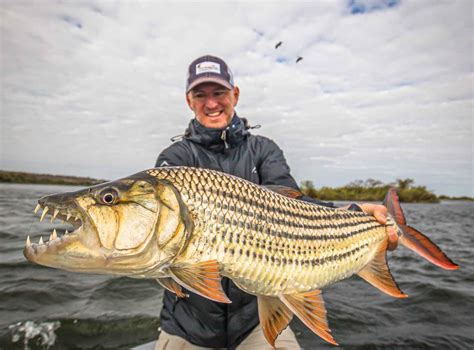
[(214, 114), (68, 215)]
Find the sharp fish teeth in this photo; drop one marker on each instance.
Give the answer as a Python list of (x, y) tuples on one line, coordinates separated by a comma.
[(38, 207), (66, 233), (53, 236), (44, 213), (41, 240), (68, 216), (56, 212), (77, 217), (28, 242)]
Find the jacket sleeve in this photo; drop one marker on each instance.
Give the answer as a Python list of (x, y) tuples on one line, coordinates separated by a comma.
[(176, 154), (274, 170)]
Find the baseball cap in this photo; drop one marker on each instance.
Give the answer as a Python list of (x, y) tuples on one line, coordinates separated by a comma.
[(209, 69)]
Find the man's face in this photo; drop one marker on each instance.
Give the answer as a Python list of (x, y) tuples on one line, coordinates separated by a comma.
[(213, 104)]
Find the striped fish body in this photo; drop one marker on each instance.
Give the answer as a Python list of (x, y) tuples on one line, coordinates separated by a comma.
[(188, 227), (267, 243)]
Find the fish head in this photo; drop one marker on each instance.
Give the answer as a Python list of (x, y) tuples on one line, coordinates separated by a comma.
[(131, 226)]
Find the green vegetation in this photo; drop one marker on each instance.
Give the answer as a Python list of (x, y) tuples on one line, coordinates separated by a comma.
[(368, 190), (374, 190), (30, 178)]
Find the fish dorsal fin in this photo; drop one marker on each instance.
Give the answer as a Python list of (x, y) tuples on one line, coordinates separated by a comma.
[(274, 317), (310, 309), (169, 284), (202, 278), (284, 190), (377, 273)]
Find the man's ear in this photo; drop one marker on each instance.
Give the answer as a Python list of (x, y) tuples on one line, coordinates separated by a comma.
[(236, 92), (188, 100)]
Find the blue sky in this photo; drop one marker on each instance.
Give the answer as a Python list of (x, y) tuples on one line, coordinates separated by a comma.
[(385, 89)]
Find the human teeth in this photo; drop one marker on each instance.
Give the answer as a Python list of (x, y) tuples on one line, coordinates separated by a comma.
[(28, 242), (41, 240), (56, 212), (44, 213), (38, 207), (215, 114)]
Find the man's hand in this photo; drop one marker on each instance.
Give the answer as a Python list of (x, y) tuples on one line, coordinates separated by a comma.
[(380, 214)]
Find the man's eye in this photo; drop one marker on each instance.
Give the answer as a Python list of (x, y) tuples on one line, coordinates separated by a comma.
[(220, 93), (199, 96)]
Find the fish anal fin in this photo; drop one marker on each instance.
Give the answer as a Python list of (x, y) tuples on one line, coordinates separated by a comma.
[(202, 278), (310, 309), (422, 245), (377, 273), (169, 284), (274, 317), (285, 191)]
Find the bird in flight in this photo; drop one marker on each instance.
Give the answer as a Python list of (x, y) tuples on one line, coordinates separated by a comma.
[(278, 45), (299, 59)]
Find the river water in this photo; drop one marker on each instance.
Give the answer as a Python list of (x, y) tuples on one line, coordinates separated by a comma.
[(42, 307)]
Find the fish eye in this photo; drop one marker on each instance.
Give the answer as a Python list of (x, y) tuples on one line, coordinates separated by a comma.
[(108, 196)]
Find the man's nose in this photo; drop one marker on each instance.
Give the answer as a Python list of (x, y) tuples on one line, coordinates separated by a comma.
[(211, 102)]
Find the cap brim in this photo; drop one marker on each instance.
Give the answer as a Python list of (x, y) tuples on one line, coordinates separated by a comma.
[(216, 80)]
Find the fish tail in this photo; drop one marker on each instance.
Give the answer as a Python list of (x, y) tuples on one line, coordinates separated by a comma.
[(414, 239)]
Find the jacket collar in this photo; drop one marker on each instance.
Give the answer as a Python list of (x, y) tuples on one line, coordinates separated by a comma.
[(218, 139)]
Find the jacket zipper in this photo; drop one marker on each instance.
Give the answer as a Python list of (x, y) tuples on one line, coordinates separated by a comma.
[(224, 137)]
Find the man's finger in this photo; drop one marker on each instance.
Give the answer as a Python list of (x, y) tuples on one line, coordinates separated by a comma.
[(377, 211), (380, 213), (392, 238)]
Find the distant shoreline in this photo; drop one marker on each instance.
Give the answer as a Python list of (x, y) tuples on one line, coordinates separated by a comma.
[(46, 179), (326, 193)]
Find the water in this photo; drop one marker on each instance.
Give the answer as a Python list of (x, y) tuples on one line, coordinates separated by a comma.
[(44, 308)]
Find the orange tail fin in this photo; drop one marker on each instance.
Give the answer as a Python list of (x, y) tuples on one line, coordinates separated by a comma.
[(414, 239)]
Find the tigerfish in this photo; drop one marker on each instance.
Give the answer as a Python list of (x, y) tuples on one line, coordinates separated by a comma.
[(188, 227)]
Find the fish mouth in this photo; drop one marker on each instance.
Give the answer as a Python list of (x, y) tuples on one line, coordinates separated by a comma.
[(57, 207)]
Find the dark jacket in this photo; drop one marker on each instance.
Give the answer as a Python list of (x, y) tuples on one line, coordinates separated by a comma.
[(256, 158)]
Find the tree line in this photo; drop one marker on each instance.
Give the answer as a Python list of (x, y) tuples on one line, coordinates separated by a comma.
[(374, 190)]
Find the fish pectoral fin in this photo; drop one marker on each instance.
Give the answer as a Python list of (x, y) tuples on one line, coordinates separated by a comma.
[(377, 273), (202, 278), (310, 309), (169, 284), (274, 317)]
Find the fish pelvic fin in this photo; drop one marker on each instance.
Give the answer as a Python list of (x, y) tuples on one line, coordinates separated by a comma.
[(274, 317), (169, 284), (310, 309), (202, 278), (413, 239), (377, 273)]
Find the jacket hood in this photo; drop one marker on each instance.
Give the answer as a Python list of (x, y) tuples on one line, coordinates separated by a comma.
[(218, 140)]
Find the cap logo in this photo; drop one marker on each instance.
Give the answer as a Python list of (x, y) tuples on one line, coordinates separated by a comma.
[(208, 67)]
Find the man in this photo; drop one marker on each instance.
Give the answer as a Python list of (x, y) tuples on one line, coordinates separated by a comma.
[(218, 139)]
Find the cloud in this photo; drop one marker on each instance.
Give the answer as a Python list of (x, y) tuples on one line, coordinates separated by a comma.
[(384, 91)]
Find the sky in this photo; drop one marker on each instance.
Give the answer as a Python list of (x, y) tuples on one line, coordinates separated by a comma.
[(384, 90)]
